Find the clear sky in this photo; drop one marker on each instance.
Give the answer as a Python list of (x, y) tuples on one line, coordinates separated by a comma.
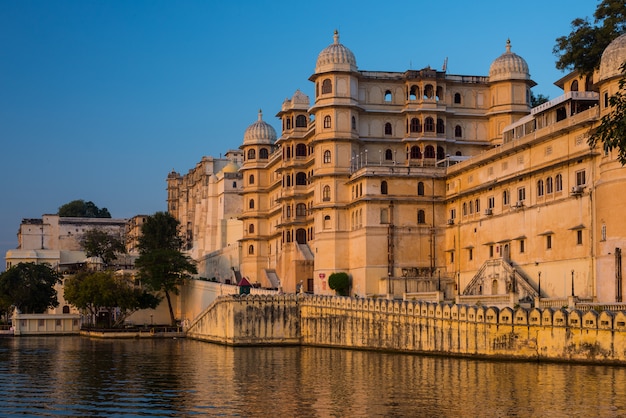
[(100, 100)]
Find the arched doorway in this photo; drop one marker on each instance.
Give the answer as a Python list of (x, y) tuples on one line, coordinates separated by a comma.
[(301, 236)]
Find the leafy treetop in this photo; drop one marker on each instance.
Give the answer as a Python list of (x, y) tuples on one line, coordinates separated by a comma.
[(29, 287), (99, 243), (582, 49), (82, 209)]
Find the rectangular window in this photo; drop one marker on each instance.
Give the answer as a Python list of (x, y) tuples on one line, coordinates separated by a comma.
[(522, 246), (471, 254), (580, 178), (521, 194), (451, 257), (491, 251), (548, 242), (491, 202), (579, 237), (452, 213)]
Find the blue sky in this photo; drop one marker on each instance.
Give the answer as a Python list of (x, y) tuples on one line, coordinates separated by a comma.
[(99, 100)]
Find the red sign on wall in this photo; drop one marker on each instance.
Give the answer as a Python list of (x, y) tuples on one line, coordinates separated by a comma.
[(322, 275)]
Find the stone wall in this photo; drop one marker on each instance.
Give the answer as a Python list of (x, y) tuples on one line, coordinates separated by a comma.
[(416, 327)]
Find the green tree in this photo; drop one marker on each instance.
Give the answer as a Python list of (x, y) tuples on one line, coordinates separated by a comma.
[(105, 291), (612, 130), (29, 287), (82, 209), (162, 265), (582, 49), (340, 283), (105, 245), (537, 100)]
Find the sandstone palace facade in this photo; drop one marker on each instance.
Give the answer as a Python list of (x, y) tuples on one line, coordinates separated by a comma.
[(418, 183)]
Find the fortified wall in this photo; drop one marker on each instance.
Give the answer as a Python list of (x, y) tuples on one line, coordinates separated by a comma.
[(415, 327)]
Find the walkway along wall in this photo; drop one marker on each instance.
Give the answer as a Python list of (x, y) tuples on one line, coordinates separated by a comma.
[(417, 327)]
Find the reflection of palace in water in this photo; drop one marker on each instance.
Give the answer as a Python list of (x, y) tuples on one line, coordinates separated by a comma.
[(418, 182)]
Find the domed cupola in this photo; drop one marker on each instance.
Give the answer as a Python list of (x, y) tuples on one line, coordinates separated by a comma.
[(612, 59), (259, 132), (335, 57), (509, 66)]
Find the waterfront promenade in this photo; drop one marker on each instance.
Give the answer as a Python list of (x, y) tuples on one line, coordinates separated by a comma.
[(415, 327)]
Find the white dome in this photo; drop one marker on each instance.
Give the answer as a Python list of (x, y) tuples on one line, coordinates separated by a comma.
[(509, 66), (612, 59), (259, 132), (335, 57), (231, 167)]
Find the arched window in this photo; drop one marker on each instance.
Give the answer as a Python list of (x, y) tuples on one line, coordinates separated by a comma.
[(477, 205), (251, 229), (388, 96), (414, 93), (288, 153), (251, 249), (440, 153), (300, 121), (288, 211), (428, 91), (441, 128), (301, 179), (300, 209), (549, 185), (558, 183), (383, 187), (457, 98), (458, 153), (387, 128), (327, 86), (540, 188), (288, 122), (263, 153), (251, 154), (458, 131), (574, 85), (327, 123), (429, 125), (439, 93), (416, 125), (384, 216), (300, 150), (506, 198), (353, 123), (421, 217), (251, 179), (416, 153), (326, 221), (288, 180), (66, 309), (326, 194), (429, 151), (464, 210), (327, 157), (251, 204), (420, 188), (388, 155)]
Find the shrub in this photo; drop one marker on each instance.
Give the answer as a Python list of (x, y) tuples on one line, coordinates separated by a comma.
[(340, 283)]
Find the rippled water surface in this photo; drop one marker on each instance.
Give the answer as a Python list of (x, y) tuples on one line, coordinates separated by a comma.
[(73, 376)]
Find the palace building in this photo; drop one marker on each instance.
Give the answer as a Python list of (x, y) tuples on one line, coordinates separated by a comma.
[(418, 183)]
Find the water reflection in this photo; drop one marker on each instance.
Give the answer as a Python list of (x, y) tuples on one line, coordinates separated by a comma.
[(83, 377)]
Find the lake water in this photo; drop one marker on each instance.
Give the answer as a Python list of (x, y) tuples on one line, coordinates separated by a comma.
[(74, 376)]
